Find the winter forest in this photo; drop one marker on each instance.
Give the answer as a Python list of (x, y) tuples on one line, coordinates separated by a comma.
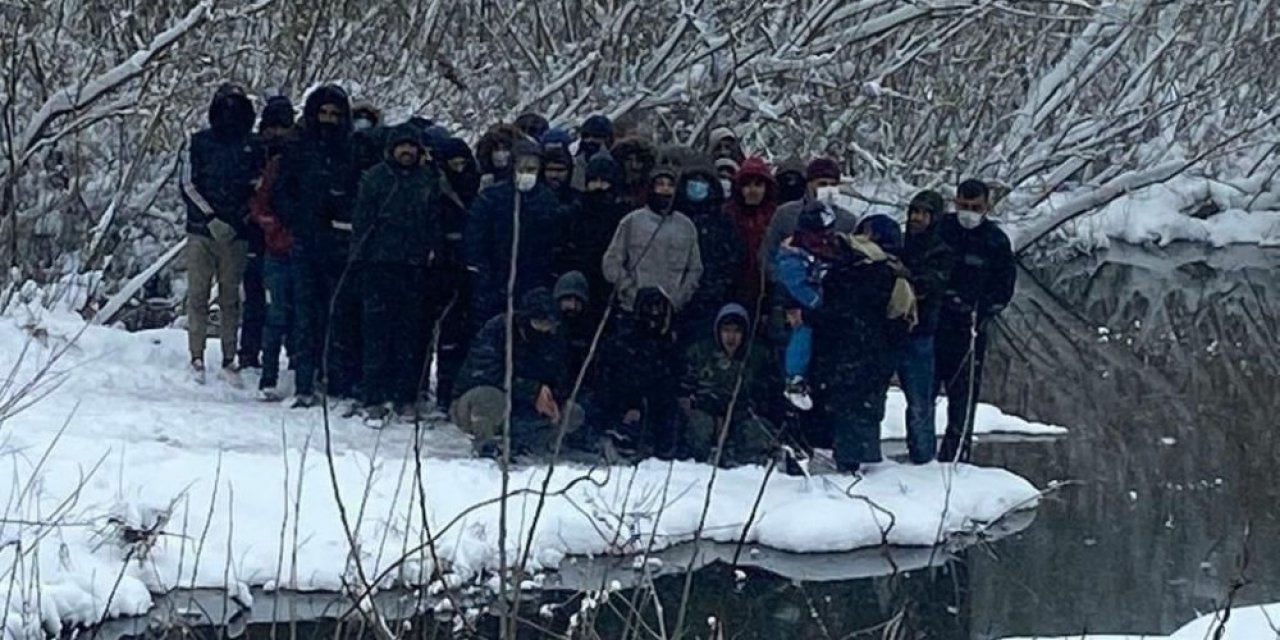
[(1106, 129)]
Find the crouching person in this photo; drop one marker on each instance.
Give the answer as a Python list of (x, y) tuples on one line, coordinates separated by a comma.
[(395, 236), (538, 381), (712, 370), (637, 382)]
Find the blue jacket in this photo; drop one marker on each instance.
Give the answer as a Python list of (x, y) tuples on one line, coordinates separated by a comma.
[(488, 237), (223, 164), (800, 274)]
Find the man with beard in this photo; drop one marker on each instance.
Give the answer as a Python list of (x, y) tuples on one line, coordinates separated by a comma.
[(595, 136), (396, 237), (313, 198), (929, 260), (277, 269), (590, 228), (217, 182), (700, 196), (791, 181), (491, 227), (638, 380), (557, 169), (456, 193), (752, 204), (655, 246), (980, 287), (573, 299), (636, 157), (723, 143)]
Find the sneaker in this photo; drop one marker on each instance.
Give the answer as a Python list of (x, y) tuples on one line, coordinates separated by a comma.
[(797, 393), (621, 443), (270, 393), (197, 370), (303, 401), (231, 374), (378, 416), (794, 462), (487, 448)]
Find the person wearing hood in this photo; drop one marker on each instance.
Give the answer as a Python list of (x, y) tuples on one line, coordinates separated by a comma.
[(710, 381), (540, 381), (980, 287), (493, 153), (273, 129), (655, 246), (864, 294), (557, 138), (367, 137), (573, 299), (397, 234), (278, 271), (727, 169), (929, 261), (491, 228), (557, 170), (589, 229), (218, 178), (752, 202), (533, 125), (456, 193), (313, 197), (700, 196), (723, 143), (595, 136), (823, 183), (791, 181), (636, 157), (637, 381)]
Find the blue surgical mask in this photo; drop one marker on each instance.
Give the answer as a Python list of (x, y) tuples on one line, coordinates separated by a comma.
[(697, 190)]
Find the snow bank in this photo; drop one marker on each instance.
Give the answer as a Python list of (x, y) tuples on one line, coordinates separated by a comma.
[(130, 480), (1261, 622)]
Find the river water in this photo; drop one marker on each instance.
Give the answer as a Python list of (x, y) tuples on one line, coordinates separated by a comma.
[(1165, 365)]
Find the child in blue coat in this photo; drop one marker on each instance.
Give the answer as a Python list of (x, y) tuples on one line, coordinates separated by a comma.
[(799, 267)]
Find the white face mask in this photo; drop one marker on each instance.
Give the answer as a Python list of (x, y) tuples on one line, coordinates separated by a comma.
[(501, 159), (969, 219), (362, 124), (526, 181), (828, 194), (727, 185)]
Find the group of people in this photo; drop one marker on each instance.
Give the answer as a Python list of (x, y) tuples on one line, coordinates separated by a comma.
[(649, 300)]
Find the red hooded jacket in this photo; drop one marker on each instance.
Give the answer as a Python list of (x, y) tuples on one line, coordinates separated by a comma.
[(752, 222), (277, 236)]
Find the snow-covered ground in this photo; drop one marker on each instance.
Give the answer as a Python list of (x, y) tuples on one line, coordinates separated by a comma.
[(245, 496), (1261, 622)]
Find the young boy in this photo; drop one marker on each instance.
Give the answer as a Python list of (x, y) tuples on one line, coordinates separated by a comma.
[(799, 267)]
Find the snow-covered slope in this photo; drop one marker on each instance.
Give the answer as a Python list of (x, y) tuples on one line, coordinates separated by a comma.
[(1245, 623), (244, 494)]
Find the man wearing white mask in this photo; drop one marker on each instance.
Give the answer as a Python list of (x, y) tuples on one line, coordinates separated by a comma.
[(822, 183), (981, 285), (491, 226)]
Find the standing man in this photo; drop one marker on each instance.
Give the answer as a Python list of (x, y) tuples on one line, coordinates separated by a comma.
[(823, 183), (277, 270), (217, 181), (396, 236), (929, 261), (313, 198), (980, 286), (655, 247), (594, 136)]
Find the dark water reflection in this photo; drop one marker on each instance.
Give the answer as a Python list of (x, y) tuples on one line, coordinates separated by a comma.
[(1165, 365)]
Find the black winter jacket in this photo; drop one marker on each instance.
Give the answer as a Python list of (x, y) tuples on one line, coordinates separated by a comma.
[(318, 176), (539, 359), (490, 229), (395, 222), (719, 242), (223, 165), (984, 271), (930, 261)]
